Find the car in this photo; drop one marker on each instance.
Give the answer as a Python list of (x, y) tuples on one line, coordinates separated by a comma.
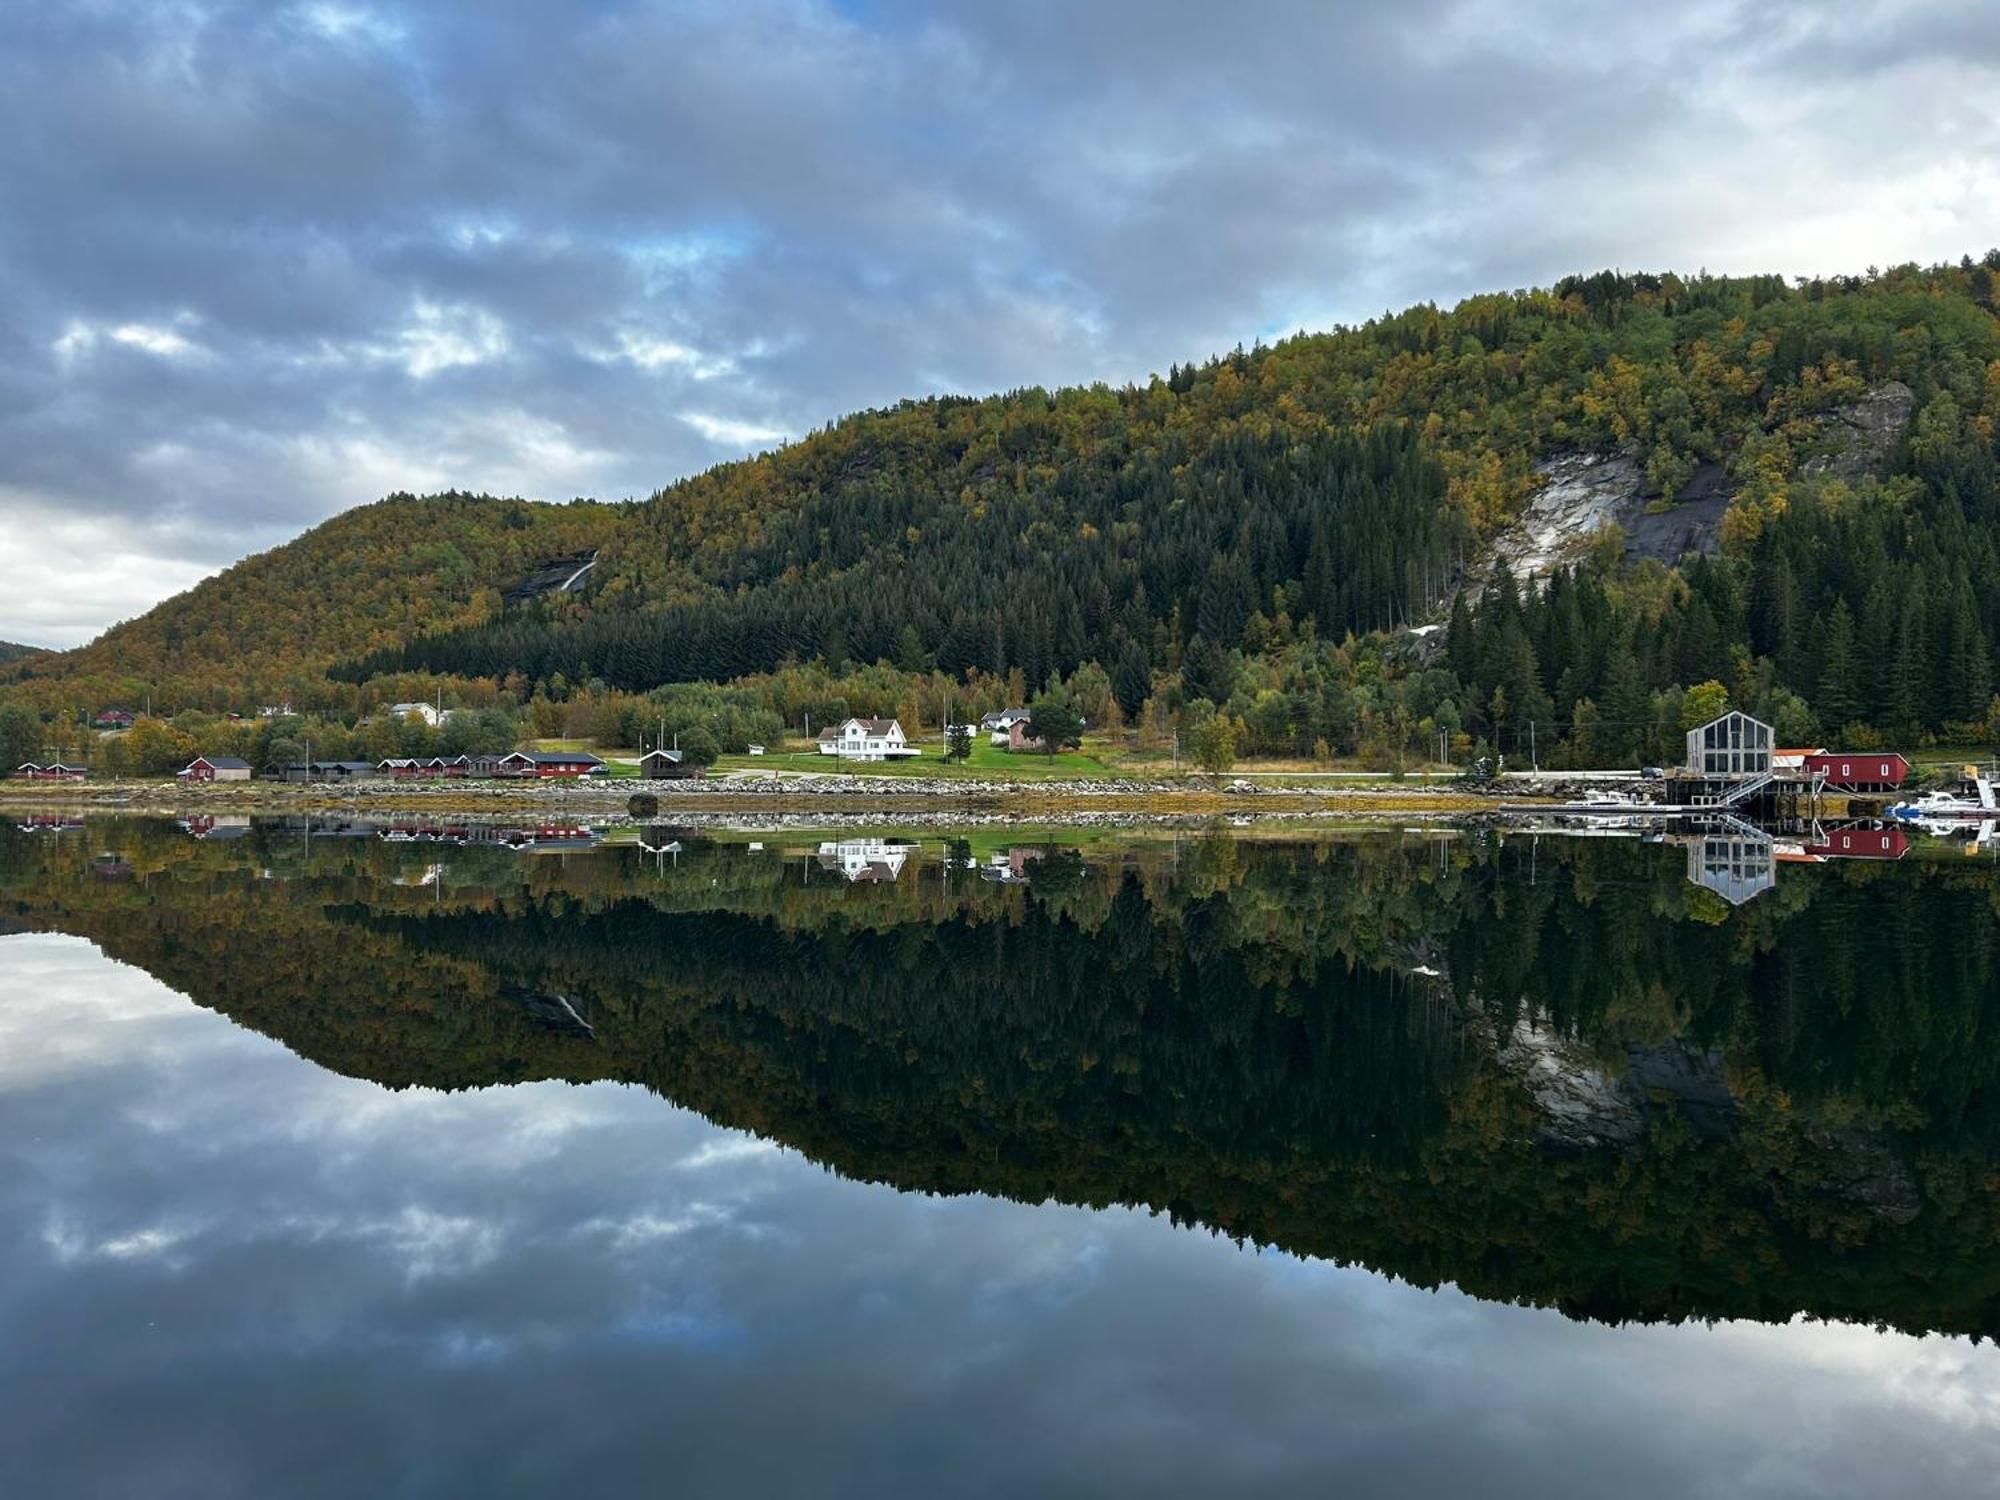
[(1652, 773)]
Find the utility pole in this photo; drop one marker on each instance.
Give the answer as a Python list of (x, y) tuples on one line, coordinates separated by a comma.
[(1533, 760)]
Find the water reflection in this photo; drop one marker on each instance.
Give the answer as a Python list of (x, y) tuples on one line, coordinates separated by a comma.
[(230, 1273), (1546, 1070)]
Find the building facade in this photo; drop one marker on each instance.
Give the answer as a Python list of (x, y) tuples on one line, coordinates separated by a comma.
[(867, 739), (216, 768), (1731, 747)]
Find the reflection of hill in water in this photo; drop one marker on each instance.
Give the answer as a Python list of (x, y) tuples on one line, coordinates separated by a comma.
[(1598, 1090)]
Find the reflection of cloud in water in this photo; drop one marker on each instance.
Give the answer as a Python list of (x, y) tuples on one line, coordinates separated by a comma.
[(239, 1267)]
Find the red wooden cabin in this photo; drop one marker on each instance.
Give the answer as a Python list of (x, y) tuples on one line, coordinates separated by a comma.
[(1858, 770), (1862, 843)]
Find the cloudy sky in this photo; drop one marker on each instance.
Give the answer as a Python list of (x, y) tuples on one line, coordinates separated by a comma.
[(260, 262)]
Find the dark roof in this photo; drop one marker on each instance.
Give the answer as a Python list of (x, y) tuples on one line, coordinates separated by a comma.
[(221, 762), (673, 757)]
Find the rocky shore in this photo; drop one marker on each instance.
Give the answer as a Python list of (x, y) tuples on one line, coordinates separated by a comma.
[(903, 797)]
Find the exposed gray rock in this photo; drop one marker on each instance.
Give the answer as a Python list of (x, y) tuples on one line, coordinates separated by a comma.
[(1692, 1081), (1584, 1103), (1581, 1104), (1855, 440), (1857, 1166), (1582, 493)]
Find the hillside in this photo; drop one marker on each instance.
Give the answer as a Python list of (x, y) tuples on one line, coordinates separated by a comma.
[(371, 577), (14, 651), (1818, 457)]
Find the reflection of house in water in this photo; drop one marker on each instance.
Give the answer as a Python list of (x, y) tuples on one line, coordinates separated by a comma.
[(546, 839), (1010, 868), (1738, 864), (865, 859), (211, 826), (1856, 841)]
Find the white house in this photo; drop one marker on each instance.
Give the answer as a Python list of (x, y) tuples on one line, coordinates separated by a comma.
[(865, 859), (425, 711), (1000, 726), (867, 739)]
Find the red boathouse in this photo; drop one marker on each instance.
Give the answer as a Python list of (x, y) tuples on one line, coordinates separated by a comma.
[(1857, 771), (1861, 843)]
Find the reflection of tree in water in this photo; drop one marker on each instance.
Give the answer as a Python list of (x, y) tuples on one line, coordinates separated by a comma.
[(1569, 1091)]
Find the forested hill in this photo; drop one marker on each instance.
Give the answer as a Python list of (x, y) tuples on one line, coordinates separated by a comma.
[(14, 651), (1221, 531), (371, 577)]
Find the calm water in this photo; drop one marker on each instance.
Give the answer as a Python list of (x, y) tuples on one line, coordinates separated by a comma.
[(341, 1163)]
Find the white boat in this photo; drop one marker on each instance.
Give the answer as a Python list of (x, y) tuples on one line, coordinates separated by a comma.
[(1934, 806), (1975, 836)]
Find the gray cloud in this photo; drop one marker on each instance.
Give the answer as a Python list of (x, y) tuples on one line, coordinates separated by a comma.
[(259, 263)]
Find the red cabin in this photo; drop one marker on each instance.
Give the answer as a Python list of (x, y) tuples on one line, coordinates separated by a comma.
[(1859, 771), (1862, 843), (56, 771), (549, 763)]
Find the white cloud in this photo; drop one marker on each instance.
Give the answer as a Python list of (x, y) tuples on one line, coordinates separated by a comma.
[(649, 353), (352, 23), (444, 338), (80, 337), (65, 575), (730, 432)]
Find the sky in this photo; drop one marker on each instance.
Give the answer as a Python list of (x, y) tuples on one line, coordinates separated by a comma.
[(261, 262)]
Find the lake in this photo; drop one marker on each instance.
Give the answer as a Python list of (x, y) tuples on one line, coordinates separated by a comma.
[(346, 1159)]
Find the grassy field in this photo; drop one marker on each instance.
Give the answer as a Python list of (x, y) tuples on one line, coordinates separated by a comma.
[(986, 763)]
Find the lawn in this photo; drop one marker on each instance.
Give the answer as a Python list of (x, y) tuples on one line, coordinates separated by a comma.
[(987, 763)]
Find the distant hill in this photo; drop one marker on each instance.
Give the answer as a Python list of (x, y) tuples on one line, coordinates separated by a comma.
[(369, 578), (1799, 478), (14, 651)]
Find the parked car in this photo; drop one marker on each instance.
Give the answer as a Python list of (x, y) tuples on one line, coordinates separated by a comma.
[(1652, 773)]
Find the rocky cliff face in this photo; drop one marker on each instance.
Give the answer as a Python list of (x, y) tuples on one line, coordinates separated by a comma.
[(1856, 440), (1582, 493)]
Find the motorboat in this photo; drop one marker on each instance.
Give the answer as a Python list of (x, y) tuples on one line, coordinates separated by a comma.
[(1944, 806)]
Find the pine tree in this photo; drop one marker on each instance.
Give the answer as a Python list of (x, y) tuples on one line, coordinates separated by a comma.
[(1839, 703)]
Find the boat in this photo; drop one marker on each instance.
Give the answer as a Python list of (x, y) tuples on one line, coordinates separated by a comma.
[(1936, 806)]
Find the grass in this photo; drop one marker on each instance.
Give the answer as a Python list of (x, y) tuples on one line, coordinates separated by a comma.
[(987, 763)]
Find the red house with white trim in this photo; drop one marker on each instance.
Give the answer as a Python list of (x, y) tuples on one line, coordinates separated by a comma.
[(1857, 770), (55, 771), (549, 763), (1861, 843)]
